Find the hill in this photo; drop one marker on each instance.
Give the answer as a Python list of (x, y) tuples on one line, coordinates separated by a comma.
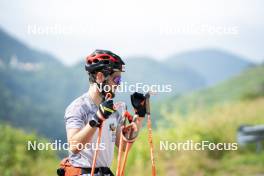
[(214, 65), (247, 85)]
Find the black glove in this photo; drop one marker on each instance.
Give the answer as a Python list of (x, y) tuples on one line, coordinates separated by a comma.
[(138, 101), (105, 109)]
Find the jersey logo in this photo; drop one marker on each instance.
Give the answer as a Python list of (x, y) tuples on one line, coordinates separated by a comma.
[(112, 127)]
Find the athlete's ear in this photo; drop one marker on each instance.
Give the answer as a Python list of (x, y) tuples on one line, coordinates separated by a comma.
[(100, 77)]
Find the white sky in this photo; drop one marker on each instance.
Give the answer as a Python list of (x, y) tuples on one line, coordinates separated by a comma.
[(156, 28)]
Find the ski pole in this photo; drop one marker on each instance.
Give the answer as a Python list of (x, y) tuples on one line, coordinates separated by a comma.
[(127, 116), (96, 151), (126, 137), (128, 146), (108, 96), (119, 158), (150, 135)]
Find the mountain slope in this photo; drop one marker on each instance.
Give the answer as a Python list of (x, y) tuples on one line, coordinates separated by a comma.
[(11, 47), (213, 64), (32, 88), (248, 85)]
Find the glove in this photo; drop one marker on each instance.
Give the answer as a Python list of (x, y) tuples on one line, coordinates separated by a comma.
[(138, 101), (105, 109)]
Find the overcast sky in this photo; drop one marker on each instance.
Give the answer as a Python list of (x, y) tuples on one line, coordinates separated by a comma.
[(71, 29)]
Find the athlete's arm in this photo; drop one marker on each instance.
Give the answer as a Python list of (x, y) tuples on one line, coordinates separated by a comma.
[(77, 138)]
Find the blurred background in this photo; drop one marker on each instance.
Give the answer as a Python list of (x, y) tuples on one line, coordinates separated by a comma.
[(211, 52)]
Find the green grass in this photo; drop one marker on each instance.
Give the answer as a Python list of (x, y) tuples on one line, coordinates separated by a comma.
[(16, 160), (217, 125)]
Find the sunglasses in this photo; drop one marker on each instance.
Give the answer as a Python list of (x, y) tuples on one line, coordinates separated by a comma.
[(117, 80)]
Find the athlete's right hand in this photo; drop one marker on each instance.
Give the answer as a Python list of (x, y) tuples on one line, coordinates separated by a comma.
[(105, 109)]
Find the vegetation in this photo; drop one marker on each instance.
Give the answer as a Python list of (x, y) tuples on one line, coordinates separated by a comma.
[(218, 125), (17, 160)]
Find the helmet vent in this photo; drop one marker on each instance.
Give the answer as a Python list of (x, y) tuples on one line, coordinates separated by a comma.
[(89, 62), (105, 57), (95, 60)]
